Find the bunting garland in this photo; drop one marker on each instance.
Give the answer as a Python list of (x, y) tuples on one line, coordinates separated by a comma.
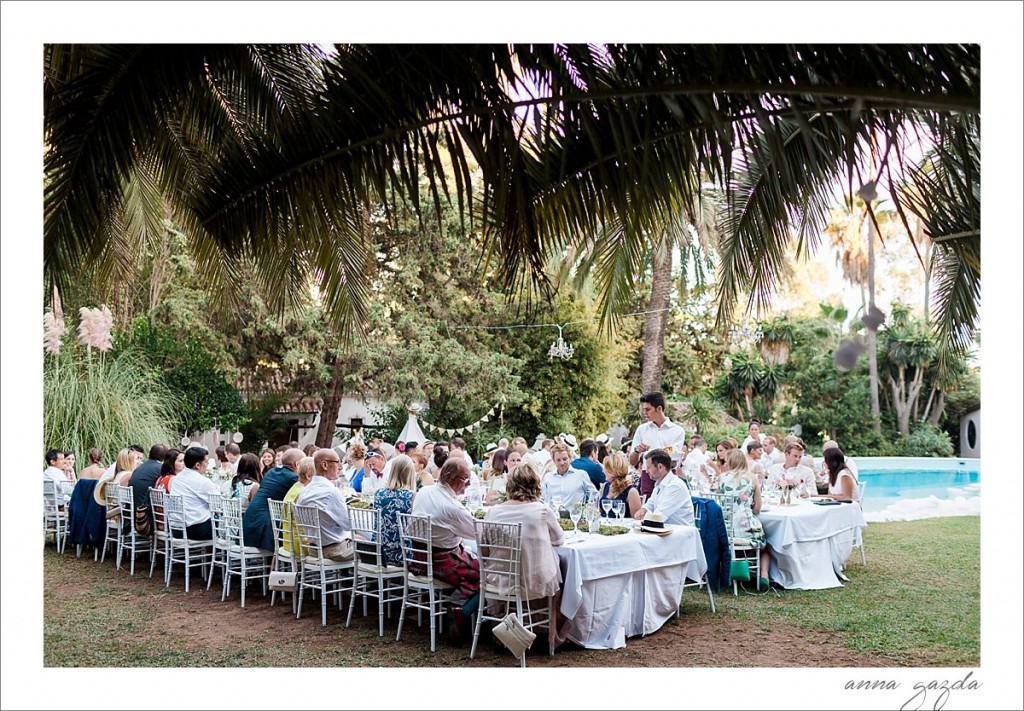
[(498, 409)]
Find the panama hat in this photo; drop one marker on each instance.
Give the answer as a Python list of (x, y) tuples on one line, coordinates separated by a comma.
[(654, 522), (569, 440), (491, 447), (99, 494), (511, 633), (602, 438)]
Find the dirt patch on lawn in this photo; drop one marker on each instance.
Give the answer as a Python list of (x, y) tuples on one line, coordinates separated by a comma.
[(215, 633)]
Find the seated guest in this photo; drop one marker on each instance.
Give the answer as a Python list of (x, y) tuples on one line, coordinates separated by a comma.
[(572, 485), (369, 476), (746, 528), (496, 477), (587, 462), (305, 471), (795, 471), (174, 462), (55, 466), (69, 465), (540, 532), (842, 482), (437, 459), (755, 454), (335, 529), (718, 462), (419, 461), (822, 477), (195, 489), (618, 487), (257, 528), (393, 498), (671, 497), (452, 522), (143, 478), (267, 459), (772, 454), (95, 468), (123, 467), (246, 481)]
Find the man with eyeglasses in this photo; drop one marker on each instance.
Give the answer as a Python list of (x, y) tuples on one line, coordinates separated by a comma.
[(374, 462), (451, 523), (335, 529)]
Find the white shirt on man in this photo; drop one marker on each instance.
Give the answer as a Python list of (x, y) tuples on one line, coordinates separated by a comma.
[(57, 475), (195, 490), (322, 493), (450, 520), (669, 435), (573, 486), (671, 498), (803, 476)]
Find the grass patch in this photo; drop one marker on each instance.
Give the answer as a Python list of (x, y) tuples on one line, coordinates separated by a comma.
[(918, 600), (912, 605)]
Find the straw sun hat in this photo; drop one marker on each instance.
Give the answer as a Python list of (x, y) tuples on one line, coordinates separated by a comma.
[(654, 522)]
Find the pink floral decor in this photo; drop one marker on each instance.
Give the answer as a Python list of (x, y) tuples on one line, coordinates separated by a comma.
[(786, 487), (53, 331), (95, 327)]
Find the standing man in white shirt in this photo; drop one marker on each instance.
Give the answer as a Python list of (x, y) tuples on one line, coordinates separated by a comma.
[(335, 529), (657, 432), (671, 497), (195, 490), (572, 485)]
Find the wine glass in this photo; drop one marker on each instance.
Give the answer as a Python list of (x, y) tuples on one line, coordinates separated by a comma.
[(575, 512), (593, 518), (606, 504), (620, 509)]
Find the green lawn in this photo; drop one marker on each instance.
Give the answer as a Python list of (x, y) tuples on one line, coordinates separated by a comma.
[(911, 603), (910, 606)]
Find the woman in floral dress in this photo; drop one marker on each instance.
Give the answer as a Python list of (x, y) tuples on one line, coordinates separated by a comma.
[(745, 485), (393, 498)]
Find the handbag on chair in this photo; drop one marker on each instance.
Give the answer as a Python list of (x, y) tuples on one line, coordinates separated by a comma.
[(283, 581), (511, 633)]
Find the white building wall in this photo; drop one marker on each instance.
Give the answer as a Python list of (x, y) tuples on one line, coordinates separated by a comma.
[(970, 434)]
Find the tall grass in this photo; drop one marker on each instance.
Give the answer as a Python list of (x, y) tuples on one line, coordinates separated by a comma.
[(105, 401)]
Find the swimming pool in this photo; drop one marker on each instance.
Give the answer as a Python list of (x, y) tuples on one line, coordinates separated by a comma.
[(909, 488)]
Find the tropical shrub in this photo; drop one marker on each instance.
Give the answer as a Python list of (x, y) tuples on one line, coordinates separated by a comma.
[(926, 441), (103, 400)]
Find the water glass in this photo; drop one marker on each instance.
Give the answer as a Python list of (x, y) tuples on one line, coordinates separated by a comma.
[(620, 509), (593, 519), (556, 502)]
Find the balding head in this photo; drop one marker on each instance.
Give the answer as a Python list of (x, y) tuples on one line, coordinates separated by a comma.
[(829, 444), (290, 459), (452, 471)]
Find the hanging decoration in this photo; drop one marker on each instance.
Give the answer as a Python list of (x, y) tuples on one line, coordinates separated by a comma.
[(559, 348), (498, 409)]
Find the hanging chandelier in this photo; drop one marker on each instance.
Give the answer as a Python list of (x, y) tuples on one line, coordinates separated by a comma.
[(559, 348)]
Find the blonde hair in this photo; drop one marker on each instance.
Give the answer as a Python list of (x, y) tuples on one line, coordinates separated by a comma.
[(616, 466), (306, 469), (357, 451), (403, 474), (523, 483), (559, 448), (125, 461), (737, 462)]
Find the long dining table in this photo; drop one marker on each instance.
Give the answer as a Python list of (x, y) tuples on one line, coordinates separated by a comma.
[(810, 542), (624, 585)]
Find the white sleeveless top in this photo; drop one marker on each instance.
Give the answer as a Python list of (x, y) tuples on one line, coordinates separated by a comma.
[(834, 490)]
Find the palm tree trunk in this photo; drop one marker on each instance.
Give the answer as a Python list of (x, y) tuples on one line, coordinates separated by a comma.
[(657, 319), (876, 410), (937, 409)]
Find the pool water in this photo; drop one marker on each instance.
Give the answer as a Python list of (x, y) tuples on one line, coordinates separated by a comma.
[(920, 493)]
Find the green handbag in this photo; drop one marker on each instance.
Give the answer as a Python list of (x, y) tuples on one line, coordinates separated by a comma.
[(739, 570)]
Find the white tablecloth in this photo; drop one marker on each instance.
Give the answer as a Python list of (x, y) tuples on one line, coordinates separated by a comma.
[(810, 543), (627, 585)]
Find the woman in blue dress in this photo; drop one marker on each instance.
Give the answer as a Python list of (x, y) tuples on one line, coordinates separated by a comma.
[(618, 486), (394, 498)]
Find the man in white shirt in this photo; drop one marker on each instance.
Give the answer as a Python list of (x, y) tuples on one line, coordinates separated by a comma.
[(195, 489), (450, 523), (695, 464), (459, 450), (544, 455), (572, 485), (55, 466), (670, 497), (233, 453), (657, 432), (335, 529), (795, 471), (822, 476), (772, 454)]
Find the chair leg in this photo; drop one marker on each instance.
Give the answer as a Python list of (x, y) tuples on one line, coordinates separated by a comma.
[(401, 613), (433, 622), (476, 627)]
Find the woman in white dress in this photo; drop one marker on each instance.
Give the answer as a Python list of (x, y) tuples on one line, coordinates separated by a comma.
[(842, 484)]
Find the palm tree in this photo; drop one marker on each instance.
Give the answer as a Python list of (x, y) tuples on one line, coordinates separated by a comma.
[(267, 157)]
